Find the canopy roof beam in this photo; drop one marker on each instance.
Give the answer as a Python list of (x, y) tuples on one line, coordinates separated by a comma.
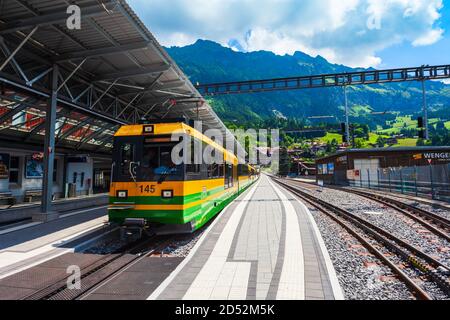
[(134, 72), (102, 52), (57, 17)]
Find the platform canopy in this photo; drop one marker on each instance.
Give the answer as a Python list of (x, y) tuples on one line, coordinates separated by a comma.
[(110, 72)]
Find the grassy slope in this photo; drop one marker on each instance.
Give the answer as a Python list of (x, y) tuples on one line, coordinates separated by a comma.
[(400, 124), (373, 137), (330, 136), (406, 143)]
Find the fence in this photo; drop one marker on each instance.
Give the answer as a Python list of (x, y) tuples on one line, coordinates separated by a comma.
[(427, 181)]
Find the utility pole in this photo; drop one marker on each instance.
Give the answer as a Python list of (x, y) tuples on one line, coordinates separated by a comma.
[(425, 110), (347, 123)]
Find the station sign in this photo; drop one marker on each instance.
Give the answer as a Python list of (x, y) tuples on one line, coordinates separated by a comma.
[(342, 159), (350, 175), (39, 156), (430, 156), (353, 174)]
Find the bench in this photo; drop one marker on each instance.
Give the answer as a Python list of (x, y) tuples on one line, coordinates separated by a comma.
[(31, 194), (7, 198)]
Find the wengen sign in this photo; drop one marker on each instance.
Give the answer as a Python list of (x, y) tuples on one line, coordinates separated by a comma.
[(437, 155)]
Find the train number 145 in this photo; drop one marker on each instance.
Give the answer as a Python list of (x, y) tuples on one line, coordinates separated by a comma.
[(148, 189)]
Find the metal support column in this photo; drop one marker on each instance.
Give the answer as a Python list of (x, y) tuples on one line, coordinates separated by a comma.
[(347, 122), (49, 153)]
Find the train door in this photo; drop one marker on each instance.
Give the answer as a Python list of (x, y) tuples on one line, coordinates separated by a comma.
[(229, 178), (127, 160)]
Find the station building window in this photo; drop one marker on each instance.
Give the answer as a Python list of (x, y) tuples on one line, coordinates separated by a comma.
[(82, 180), (14, 170), (55, 170)]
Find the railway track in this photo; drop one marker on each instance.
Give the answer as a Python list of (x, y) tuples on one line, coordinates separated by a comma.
[(431, 221), (438, 224), (383, 245), (101, 271)]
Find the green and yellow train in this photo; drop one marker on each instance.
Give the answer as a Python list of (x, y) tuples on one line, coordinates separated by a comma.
[(148, 188)]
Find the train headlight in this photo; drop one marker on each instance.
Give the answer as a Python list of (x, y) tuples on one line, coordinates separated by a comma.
[(167, 194), (123, 194), (149, 129)]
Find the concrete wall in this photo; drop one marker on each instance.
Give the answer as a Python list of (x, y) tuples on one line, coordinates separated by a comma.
[(82, 187)]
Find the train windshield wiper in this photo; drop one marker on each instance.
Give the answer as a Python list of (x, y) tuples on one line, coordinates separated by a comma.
[(165, 174)]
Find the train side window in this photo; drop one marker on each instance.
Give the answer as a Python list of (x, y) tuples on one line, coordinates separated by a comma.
[(193, 168), (211, 171), (229, 179), (222, 171), (215, 171)]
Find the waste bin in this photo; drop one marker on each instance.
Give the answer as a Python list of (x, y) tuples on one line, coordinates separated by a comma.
[(72, 190)]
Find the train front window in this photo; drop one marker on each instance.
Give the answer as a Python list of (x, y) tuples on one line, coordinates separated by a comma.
[(150, 158), (157, 162)]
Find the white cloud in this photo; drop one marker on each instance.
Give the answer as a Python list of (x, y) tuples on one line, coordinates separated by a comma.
[(345, 31), (431, 37)]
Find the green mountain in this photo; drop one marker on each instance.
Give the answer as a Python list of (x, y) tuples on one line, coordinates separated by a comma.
[(207, 62)]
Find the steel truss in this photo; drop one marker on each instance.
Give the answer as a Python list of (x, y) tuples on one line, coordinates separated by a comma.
[(327, 80), (113, 98)]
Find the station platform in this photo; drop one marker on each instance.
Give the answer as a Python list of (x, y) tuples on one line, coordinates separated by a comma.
[(25, 211), (264, 246), (28, 244)]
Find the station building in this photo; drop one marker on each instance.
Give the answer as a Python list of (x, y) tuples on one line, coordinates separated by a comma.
[(409, 169), (74, 175)]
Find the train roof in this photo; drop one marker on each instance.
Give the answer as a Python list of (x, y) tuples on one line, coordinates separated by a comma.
[(173, 128)]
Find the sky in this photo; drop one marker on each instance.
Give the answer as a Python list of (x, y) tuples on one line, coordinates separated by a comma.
[(356, 33)]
